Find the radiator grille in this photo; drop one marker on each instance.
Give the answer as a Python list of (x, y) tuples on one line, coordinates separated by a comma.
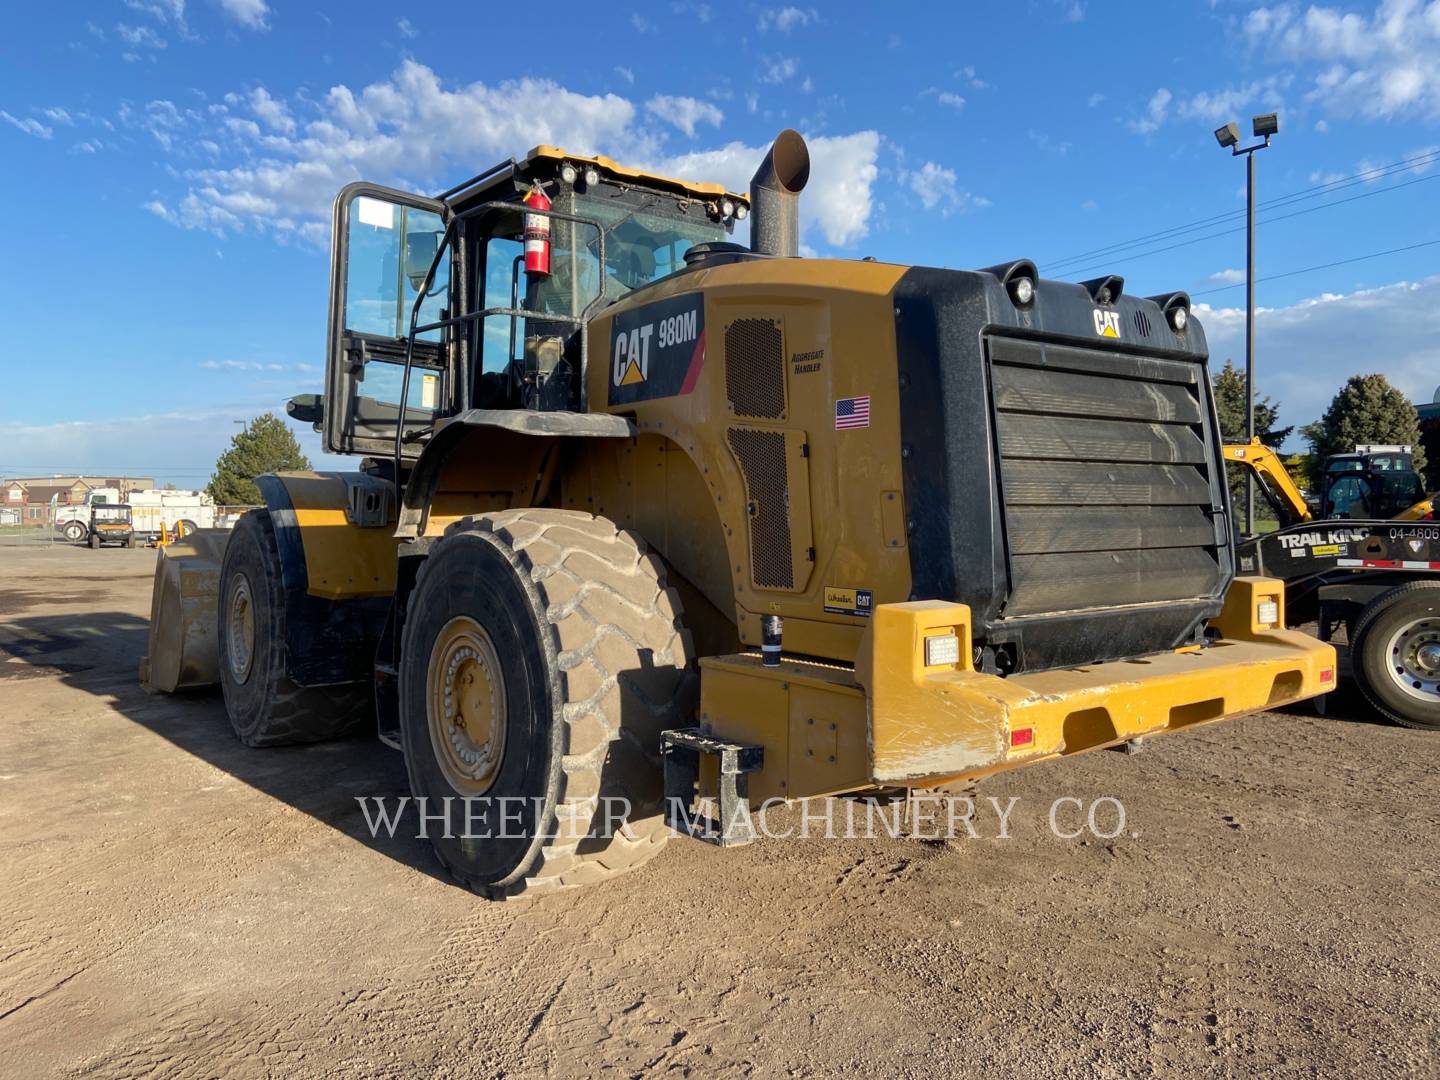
[(1105, 470), (761, 455), (755, 368)]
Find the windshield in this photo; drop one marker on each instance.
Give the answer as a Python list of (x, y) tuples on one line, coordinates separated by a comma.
[(642, 244), (112, 513)]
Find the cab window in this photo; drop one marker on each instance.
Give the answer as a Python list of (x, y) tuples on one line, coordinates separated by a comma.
[(390, 250)]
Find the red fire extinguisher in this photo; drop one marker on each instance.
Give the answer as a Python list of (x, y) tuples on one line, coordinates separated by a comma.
[(537, 233)]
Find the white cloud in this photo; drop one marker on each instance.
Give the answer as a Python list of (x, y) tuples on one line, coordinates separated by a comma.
[(412, 131), (1226, 277), (406, 28), (1216, 107), (273, 113), (57, 115), (250, 14), (1074, 10), (786, 19), (968, 74), (626, 74), (641, 24), (702, 12), (1378, 67), (1094, 99), (777, 69), (937, 188), (684, 112), (28, 125), (1305, 352), (1156, 109), (163, 10), (953, 101), (139, 37)]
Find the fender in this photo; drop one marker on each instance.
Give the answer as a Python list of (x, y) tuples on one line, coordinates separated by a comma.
[(338, 577), (520, 437)]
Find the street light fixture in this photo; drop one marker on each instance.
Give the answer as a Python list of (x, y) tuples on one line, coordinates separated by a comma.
[(1264, 126)]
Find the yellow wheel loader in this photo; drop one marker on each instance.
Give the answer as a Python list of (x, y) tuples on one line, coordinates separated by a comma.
[(651, 519)]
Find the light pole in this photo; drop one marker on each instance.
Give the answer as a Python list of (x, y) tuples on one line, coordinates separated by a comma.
[(1264, 126)]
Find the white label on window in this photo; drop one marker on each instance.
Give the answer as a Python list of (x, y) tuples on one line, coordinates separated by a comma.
[(374, 212), (427, 391)]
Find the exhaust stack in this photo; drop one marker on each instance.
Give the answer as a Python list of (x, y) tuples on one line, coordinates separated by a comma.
[(775, 196)]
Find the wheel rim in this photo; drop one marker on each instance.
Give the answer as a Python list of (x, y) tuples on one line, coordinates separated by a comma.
[(240, 628), (1413, 655), (465, 705)]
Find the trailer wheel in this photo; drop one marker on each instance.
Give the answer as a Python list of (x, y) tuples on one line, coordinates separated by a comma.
[(94, 541), (1396, 647), (75, 532), (542, 656), (266, 708), (187, 526)]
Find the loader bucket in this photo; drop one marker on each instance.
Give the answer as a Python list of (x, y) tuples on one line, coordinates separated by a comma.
[(184, 652)]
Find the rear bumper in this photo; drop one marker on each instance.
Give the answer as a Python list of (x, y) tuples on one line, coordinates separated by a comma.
[(894, 721), (932, 722)]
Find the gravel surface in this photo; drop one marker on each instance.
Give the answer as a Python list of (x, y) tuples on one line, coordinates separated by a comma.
[(175, 905)]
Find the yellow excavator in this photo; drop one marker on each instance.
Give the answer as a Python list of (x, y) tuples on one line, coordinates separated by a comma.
[(644, 517), (1354, 487)]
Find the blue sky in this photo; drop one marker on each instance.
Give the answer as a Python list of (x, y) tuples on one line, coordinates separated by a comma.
[(168, 167)]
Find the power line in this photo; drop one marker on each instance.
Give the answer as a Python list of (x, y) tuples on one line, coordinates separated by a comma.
[(1241, 228), (1329, 187), (1321, 266)]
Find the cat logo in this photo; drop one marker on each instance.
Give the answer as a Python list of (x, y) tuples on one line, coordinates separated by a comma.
[(1107, 323)]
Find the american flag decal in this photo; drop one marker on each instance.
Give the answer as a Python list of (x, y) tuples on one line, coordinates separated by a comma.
[(852, 412)]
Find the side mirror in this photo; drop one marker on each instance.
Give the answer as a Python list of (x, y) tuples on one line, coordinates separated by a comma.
[(307, 409), (420, 249)]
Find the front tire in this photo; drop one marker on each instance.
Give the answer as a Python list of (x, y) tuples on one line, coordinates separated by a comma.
[(75, 532), (542, 656), (266, 707), (1396, 649)]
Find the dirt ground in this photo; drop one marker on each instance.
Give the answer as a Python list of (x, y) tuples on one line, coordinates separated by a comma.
[(175, 905)]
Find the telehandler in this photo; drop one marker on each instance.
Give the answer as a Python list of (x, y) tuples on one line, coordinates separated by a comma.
[(646, 515)]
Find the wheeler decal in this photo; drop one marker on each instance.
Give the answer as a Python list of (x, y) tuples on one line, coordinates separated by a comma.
[(839, 601)]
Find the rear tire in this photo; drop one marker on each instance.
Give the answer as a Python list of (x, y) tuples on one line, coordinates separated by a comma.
[(1396, 653), (130, 541), (266, 707), (94, 541), (592, 664)]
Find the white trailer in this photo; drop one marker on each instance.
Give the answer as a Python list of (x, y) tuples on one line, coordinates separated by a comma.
[(150, 509)]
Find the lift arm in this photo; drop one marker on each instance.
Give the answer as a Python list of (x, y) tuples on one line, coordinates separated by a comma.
[(1266, 464)]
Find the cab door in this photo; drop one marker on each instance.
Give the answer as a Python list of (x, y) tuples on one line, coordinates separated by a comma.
[(384, 242)]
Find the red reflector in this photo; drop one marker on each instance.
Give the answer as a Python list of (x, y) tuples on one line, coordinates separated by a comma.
[(1328, 675), (1024, 737)]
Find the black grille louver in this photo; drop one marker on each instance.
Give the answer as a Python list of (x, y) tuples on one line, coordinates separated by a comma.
[(1105, 474)]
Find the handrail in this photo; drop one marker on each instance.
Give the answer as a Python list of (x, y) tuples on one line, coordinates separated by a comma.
[(424, 292)]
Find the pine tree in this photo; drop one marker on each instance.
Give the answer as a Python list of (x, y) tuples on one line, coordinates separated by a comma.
[(266, 445), (1366, 410)]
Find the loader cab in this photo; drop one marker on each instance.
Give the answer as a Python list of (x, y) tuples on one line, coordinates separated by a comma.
[(1370, 484), (433, 311)]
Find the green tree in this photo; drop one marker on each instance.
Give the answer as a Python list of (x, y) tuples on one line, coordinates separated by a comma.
[(1366, 410), (1230, 409), (266, 445)]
